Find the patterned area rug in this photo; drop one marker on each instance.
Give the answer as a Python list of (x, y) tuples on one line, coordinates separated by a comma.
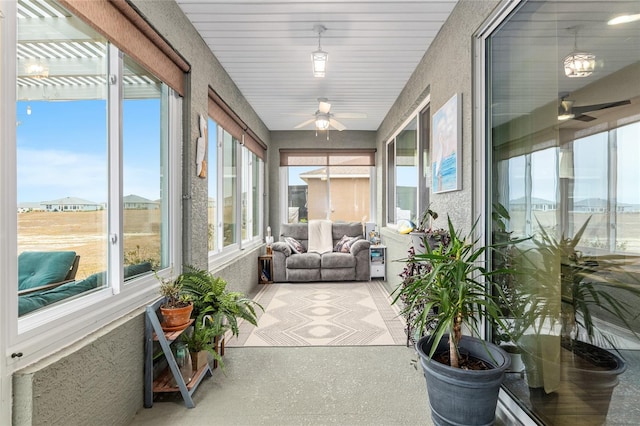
[(324, 314)]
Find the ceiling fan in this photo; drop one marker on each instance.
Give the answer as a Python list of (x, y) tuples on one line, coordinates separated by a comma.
[(323, 117), (567, 110)]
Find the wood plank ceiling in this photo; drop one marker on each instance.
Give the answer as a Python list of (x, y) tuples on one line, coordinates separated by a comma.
[(266, 46)]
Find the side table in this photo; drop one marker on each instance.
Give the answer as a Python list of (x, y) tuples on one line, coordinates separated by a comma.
[(265, 269)]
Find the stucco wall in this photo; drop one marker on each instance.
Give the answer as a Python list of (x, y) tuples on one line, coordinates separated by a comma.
[(445, 69), (98, 381), (205, 72)]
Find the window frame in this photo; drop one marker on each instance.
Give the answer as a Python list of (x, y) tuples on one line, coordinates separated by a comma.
[(48, 330), (327, 154), (244, 171), (423, 147)]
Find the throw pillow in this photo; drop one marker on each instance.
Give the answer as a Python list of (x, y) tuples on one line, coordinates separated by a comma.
[(345, 243), (295, 245)]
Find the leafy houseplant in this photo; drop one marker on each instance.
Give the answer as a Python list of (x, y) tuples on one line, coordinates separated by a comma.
[(424, 234), (211, 298), (456, 290), (177, 307), (200, 341)]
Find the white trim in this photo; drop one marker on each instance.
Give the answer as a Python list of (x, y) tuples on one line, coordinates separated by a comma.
[(284, 191), (415, 114), (114, 137), (8, 195)]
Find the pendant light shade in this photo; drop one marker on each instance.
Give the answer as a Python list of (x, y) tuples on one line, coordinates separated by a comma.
[(319, 58)]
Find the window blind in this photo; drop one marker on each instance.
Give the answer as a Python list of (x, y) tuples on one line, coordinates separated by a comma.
[(119, 22)]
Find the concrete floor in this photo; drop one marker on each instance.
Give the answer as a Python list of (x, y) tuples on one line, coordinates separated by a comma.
[(368, 385)]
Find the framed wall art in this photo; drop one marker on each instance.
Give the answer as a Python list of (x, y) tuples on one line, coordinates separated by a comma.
[(446, 147)]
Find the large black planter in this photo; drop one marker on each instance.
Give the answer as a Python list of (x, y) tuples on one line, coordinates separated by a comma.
[(586, 376), (463, 397)]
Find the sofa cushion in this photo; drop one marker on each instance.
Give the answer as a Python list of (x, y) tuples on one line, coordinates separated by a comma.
[(136, 269), (350, 229), (345, 243), (37, 268), (34, 301), (338, 260), (299, 231), (295, 245), (303, 261)]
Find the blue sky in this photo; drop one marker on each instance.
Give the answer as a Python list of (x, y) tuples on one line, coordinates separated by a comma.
[(62, 150)]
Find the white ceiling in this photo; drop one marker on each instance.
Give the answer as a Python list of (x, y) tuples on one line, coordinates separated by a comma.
[(266, 46)]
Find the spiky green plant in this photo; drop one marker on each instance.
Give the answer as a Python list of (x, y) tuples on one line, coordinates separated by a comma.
[(211, 297), (559, 286), (456, 289)]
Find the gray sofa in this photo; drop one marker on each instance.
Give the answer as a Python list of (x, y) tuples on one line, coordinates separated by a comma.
[(332, 266)]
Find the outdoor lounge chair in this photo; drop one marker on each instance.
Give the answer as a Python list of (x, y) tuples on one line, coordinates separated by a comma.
[(44, 270)]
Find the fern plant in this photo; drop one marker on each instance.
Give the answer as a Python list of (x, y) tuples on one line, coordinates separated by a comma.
[(201, 338), (211, 297)]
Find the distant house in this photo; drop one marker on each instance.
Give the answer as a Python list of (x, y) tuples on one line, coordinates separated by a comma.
[(136, 202), (599, 205), (70, 204), (29, 207), (537, 204)]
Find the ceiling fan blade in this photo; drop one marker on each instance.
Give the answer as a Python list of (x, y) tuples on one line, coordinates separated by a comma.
[(305, 123), (337, 125), (598, 107), (350, 115), (584, 117), (324, 107)]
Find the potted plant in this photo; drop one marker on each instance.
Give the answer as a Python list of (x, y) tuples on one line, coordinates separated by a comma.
[(463, 373), (201, 342), (177, 306), (423, 234), (564, 293), (211, 298)]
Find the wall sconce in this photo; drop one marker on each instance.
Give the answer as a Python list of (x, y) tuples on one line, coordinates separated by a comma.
[(319, 58)]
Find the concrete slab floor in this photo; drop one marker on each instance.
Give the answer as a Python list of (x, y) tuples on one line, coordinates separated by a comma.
[(366, 385)]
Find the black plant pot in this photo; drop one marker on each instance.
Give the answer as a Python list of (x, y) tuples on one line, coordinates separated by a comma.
[(463, 397)]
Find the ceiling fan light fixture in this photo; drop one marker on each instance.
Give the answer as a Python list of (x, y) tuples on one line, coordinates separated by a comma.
[(322, 121), (319, 57)]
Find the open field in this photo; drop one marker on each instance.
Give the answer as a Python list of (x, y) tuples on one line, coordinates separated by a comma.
[(86, 234)]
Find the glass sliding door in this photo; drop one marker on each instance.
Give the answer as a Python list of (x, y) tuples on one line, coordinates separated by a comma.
[(564, 160)]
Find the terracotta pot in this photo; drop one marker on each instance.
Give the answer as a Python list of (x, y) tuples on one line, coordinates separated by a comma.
[(176, 317)]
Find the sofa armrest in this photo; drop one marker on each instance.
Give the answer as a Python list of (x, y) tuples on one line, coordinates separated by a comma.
[(281, 247), (358, 246)]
